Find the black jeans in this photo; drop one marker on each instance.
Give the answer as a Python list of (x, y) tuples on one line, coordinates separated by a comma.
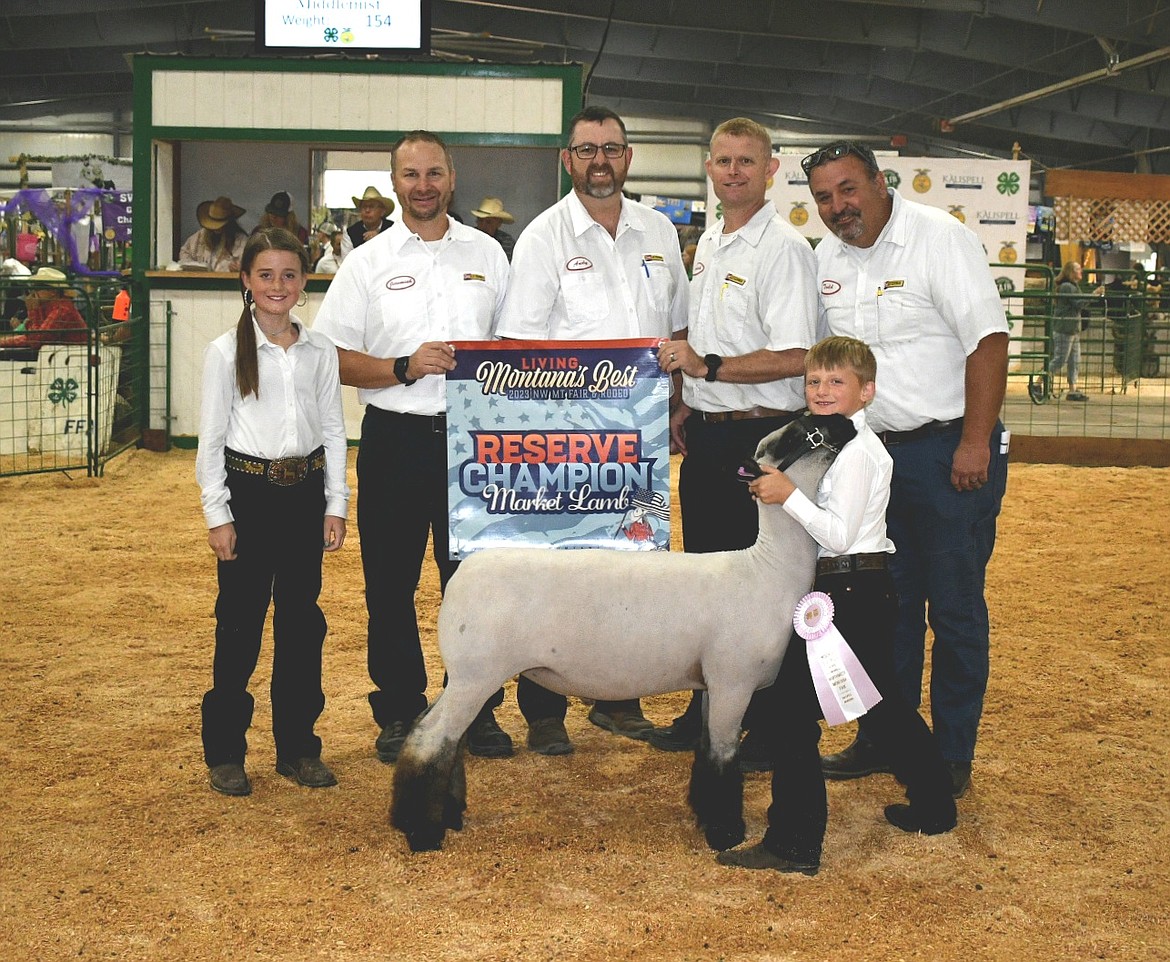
[(865, 612), (402, 498), (279, 537)]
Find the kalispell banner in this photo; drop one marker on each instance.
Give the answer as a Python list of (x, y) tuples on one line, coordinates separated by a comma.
[(560, 444)]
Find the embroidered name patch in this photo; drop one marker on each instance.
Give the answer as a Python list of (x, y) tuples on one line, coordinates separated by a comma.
[(894, 284), (654, 258), (474, 277), (830, 287), (400, 283), (578, 263), (735, 279)]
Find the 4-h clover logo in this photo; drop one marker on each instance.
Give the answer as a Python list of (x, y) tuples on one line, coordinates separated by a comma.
[(1008, 183), (63, 389), (331, 35)]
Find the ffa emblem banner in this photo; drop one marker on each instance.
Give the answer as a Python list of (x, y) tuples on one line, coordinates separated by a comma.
[(560, 444)]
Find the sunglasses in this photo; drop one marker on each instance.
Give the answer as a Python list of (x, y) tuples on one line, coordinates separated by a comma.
[(589, 151), (836, 152)]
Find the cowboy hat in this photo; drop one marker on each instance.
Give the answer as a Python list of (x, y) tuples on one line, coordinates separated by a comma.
[(493, 207), (42, 274), (213, 214), (280, 204), (372, 193)]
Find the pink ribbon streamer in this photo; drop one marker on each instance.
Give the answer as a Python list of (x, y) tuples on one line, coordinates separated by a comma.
[(844, 689)]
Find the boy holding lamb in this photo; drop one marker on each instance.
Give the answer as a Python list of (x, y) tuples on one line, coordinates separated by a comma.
[(848, 523)]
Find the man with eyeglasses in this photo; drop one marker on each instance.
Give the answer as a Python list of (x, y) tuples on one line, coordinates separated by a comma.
[(752, 320), (913, 283), (595, 265)]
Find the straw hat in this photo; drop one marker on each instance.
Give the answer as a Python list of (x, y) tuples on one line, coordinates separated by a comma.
[(372, 193), (42, 274), (493, 207), (213, 214)]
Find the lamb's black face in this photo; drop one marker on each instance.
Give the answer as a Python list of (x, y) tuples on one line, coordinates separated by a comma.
[(808, 433)]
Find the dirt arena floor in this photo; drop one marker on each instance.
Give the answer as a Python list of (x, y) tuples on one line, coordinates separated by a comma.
[(113, 846)]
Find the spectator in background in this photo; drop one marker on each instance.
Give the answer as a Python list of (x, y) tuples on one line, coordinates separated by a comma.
[(1066, 327), (489, 216), (331, 260), (374, 212), (220, 240), (278, 212)]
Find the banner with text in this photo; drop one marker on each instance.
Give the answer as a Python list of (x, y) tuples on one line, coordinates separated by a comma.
[(560, 444)]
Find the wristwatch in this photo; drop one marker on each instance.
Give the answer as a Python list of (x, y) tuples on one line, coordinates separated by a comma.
[(400, 367), (712, 361)]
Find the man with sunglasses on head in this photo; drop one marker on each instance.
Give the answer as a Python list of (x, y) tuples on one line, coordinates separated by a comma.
[(595, 265), (914, 284)]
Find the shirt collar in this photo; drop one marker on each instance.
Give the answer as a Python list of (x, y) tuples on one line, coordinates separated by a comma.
[(399, 234), (582, 220), (753, 230)]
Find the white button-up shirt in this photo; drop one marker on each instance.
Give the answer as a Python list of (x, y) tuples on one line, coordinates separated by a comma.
[(396, 291), (753, 291), (922, 297), (298, 410), (572, 281), (849, 514)]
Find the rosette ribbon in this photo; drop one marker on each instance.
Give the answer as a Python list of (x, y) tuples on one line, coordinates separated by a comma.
[(843, 688)]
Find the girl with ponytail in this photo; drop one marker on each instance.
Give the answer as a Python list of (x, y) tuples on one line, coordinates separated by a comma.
[(272, 467)]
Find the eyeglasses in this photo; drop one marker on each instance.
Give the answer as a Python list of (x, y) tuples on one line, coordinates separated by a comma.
[(589, 151), (836, 152)]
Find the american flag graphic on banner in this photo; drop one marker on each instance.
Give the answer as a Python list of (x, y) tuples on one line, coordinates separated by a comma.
[(652, 501)]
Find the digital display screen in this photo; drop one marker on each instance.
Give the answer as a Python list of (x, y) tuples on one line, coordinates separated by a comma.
[(343, 26)]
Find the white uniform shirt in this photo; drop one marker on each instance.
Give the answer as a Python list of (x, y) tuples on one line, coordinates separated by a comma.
[(395, 292), (755, 291), (298, 410), (922, 297), (849, 516), (572, 281)]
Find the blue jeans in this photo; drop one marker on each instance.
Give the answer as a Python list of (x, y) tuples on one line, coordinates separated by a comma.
[(1066, 349), (944, 540)]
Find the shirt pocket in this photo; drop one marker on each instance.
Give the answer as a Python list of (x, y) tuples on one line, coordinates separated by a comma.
[(475, 308), (585, 296), (902, 316), (661, 285), (403, 309), (736, 300)]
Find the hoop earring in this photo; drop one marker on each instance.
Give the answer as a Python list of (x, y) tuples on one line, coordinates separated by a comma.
[(247, 297), (303, 299)]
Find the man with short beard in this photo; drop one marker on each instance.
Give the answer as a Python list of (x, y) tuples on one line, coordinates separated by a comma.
[(913, 283), (394, 306), (593, 266)]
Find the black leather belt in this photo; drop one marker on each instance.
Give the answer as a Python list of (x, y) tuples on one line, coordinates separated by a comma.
[(929, 430), (843, 564), (282, 471), (433, 422), (715, 417)]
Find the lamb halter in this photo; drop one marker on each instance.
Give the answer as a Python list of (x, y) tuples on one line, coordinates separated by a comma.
[(814, 437)]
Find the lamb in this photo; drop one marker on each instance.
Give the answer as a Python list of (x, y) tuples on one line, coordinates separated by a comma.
[(613, 625)]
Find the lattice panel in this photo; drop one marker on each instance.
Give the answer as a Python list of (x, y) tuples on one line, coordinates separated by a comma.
[(1109, 219)]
